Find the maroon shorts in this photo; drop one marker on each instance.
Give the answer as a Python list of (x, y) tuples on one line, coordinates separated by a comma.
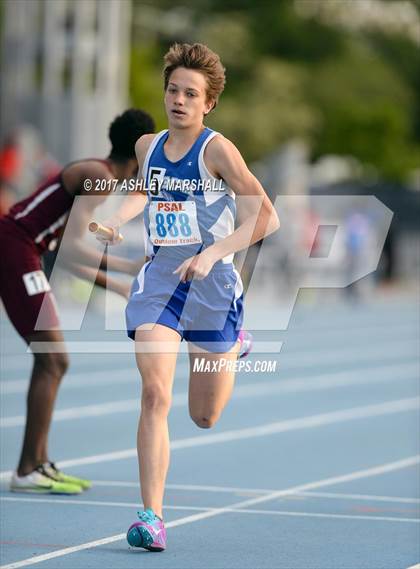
[(24, 288)]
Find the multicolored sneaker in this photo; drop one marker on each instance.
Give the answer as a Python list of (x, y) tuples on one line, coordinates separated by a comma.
[(149, 532), (246, 341), (52, 471), (39, 482)]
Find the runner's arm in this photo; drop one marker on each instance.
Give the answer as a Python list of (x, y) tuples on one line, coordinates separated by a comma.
[(256, 214), (135, 202), (99, 278), (73, 244)]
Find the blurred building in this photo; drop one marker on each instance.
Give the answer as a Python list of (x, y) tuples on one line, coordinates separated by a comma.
[(64, 70)]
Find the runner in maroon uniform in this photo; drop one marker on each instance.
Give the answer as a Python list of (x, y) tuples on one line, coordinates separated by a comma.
[(32, 227)]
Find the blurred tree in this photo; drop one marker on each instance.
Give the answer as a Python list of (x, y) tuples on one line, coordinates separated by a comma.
[(263, 104), (404, 57), (146, 81), (230, 36), (345, 91), (268, 111), (280, 31), (366, 110)]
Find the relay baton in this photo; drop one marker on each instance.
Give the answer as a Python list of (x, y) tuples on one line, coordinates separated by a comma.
[(102, 231)]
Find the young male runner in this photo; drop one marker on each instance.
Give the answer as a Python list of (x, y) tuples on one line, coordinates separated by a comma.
[(189, 289), (32, 227)]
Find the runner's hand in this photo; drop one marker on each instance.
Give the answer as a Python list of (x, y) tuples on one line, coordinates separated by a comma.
[(197, 267), (114, 237)]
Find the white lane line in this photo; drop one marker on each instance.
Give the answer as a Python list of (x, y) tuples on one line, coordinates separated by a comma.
[(366, 497), (378, 374), (311, 421), (78, 380), (83, 411), (358, 333), (126, 347), (289, 361), (329, 380), (99, 504), (241, 490), (381, 332), (323, 515), (187, 487), (66, 551), (236, 489), (356, 475)]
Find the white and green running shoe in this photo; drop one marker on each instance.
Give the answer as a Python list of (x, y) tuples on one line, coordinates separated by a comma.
[(52, 471), (39, 482)]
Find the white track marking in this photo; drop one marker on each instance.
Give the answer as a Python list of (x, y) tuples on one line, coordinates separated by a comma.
[(311, 421), (78, 380), (126, 347), (187, 487), (327, 381), (354, 413), (235, 489), (414, 566), (388, 351), (240, 490), (96, 410), (323, 515), (258, 389), (292, 335), (97, 503), (357, 497), (356, 475), (308, 359), (380, 332), (66, 551)]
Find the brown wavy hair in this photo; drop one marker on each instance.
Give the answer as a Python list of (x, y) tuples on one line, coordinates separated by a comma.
[(200, 58)]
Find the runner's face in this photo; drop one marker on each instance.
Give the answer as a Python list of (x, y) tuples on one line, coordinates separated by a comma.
[(186, 98)]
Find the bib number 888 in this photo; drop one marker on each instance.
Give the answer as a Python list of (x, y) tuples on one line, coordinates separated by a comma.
[(173, 225)]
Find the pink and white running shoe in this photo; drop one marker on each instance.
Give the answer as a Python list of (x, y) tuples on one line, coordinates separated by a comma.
[(149, 532), (246, 341)]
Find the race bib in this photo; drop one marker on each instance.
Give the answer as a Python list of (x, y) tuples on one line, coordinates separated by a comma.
[(35, 283), (172, 224)]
